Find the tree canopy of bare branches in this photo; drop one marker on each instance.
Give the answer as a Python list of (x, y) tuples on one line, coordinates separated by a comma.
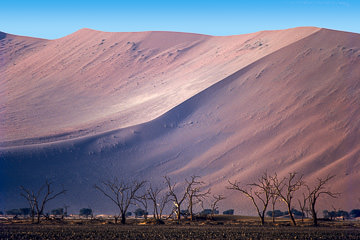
[(38, 199), (122, 194), (259, 193), (274, 199), (303, 206), (191, 192), (314, 193), (159, 201), (194, 193), (215, 202), (286, 189), (175, 197), (142, 203)]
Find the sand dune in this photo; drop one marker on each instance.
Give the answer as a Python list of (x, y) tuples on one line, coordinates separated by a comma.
[(142, 105), (90, 81)]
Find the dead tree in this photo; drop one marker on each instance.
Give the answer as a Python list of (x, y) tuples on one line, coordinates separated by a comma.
[(37, 200), (303, 206), (214, 204), (142, 202), (194, 194), (317, 191), (29, 196), (121, 193), (259, 191), (159, 202), (274, 198), (176, 198), (286, 189)]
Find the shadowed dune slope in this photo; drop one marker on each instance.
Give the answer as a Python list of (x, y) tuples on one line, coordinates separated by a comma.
[(293, 109)]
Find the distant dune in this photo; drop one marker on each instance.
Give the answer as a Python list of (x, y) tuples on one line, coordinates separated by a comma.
[(141, 105)]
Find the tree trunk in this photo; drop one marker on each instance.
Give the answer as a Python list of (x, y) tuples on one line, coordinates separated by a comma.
[(38, 218), (313, 213), (123, 218), (273, 213), (262, 216), (291, 216), (155, 212), (191, 212), (178, 216), (32, 216)]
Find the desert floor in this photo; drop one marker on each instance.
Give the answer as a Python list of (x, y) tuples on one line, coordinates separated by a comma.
[(220, 228)]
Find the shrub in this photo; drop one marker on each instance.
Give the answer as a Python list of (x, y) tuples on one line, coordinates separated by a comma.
[(140, 212), (58, 211), (342, 213), (208, 212), (14, 211), (229, 212), (86, 212), (355, 213), (185, 213), (25, 211), (277, 213)]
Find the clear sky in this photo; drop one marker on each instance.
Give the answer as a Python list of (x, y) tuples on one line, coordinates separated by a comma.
[(54, 19)]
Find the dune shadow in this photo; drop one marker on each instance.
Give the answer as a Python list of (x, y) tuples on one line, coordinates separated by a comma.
[(2, 35)]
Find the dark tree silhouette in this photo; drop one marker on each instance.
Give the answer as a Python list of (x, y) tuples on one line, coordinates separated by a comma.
[(142, 203), (286, 189), (303, 206), (259, 193), (86, 212), (274, 199), (121, 193), (175, 197), (317, 191), (194, 194), (355, 213), (37, 200), (214, 204), (159, 201)]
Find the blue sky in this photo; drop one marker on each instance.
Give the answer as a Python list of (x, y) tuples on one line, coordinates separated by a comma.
[(55, 19)]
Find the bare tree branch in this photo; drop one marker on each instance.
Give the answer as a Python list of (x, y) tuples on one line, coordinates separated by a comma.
[(214, 204), (176, 198), (258, 191), (38, 200), (274, 199), (121, 194), (303, 205), (318, 190), (159, 202), (194, 194), (286, 189)]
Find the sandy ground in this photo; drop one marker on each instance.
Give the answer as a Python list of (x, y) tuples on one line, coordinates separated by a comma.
[(243, 229)]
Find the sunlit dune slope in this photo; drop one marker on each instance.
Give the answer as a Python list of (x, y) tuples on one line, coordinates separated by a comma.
[(90, 81), (295, 108)]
